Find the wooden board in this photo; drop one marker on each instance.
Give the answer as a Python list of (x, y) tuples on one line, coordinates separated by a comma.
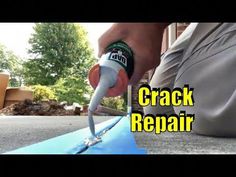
[(4, 79)]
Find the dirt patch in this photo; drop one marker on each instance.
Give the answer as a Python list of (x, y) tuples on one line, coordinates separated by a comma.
[(42, 108)]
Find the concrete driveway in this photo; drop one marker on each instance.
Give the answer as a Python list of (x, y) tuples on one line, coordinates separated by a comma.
[(20, 131), (184, 143)]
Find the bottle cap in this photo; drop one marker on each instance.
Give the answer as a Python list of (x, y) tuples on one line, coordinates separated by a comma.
[(118, 89)]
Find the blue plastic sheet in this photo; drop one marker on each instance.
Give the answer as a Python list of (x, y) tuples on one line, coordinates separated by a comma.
[(117, 140)]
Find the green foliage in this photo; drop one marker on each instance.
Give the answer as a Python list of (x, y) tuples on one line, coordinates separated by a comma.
[(58, 50), (72, 89), (117, 103), (43, 93), (61, 58), (33, 71), (12, 64)]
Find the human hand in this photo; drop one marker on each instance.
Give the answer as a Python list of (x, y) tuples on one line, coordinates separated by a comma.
[(144, 39)]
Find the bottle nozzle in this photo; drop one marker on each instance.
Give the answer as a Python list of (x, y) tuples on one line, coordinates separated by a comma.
[(108, 79)]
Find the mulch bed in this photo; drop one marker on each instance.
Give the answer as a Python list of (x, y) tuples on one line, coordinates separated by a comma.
[(42, 108)]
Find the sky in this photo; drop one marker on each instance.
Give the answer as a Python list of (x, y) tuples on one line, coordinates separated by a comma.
[(15, 36), (95, 30)]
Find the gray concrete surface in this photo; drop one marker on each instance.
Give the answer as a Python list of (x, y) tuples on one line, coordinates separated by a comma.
[(184, 143), (20, 131)]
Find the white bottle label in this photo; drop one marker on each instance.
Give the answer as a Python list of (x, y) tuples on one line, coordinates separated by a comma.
[(117, 56)]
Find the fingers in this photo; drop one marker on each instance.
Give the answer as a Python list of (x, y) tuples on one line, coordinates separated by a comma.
[(113, 34), (144, 40), (136, 77)]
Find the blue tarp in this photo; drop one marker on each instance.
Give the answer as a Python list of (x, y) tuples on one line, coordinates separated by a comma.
[(117, 140)]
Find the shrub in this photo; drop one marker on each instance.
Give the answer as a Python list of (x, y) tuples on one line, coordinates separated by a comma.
[(72, 90), (41, 92), (117, 103)]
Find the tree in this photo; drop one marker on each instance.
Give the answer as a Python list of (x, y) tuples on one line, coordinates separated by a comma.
[(61, 59), (59, 50), (12, 64), (72, 89)]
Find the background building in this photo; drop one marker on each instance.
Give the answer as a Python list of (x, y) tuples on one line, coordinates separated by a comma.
[(170, 35)]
